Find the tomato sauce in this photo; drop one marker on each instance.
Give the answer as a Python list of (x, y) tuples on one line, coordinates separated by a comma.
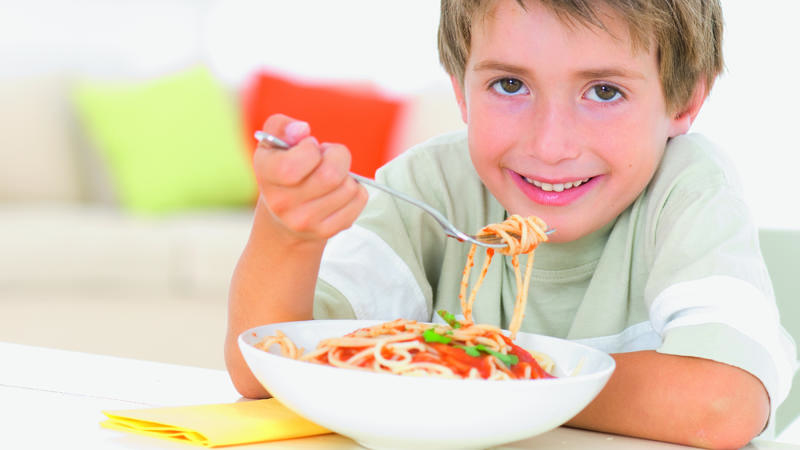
[(525, 358), (457, 359), (460, 362)]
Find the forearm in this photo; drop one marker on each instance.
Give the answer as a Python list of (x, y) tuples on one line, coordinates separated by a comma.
[(690, 401), (273, 282)]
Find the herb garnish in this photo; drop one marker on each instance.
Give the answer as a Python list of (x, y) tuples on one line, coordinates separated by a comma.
[(449, 318), (431, 335)]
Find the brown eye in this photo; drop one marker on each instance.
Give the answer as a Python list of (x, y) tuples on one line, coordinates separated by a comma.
[(510, 85), (605, 92)]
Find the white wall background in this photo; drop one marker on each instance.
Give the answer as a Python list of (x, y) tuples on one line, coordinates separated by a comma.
[(752, 112)]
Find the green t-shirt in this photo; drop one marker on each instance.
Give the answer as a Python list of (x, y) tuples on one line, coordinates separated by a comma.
[(679, 271)]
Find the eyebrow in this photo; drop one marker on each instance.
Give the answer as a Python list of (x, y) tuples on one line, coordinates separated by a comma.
[(502, 67), (588, 73), (611, 72)]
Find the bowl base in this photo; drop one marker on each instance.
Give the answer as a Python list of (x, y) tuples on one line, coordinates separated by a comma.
[(384, 445)]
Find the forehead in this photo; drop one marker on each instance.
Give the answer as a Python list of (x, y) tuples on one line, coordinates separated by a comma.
[(514, 26), (597, 16), (537, 44)]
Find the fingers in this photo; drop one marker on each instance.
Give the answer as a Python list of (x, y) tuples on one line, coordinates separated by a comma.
[(289, 181), (330, 213), (280, 167), (308, 188), (287, 128)]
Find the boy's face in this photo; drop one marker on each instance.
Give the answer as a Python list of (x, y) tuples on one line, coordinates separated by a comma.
[(565, 123)]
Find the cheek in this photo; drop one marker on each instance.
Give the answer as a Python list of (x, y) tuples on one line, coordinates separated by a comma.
[(481, 149), (492, 130), (631, 142), (631, 147), (486, 154), (485, 140), (633, 164)]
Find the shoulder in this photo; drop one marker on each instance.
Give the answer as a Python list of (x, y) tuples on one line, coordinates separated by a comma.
[(693, 168), (693, 158)]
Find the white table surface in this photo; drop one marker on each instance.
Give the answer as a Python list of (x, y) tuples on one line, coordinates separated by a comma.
[(53, 399)]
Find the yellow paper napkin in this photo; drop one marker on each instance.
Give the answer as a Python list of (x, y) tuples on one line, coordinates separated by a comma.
[(216, 425)]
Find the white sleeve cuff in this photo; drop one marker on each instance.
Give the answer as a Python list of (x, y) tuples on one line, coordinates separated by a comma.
[(374, 279)]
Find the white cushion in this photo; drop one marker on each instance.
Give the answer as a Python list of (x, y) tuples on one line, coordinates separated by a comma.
[(37, 160), (100, 249)]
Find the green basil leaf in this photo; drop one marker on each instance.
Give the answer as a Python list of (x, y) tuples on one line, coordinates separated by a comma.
[(430, 335), (508, 360), (471, 350)]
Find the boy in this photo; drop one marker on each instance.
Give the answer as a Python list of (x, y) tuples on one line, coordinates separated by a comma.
[(576, 113)]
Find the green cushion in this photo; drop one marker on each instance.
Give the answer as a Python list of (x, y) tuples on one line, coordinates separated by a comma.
[(173, 143)]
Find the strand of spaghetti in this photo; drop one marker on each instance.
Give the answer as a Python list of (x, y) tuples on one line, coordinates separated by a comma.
[(465, 283), (522, 297), (360, 357), (391, 364), (518, 278), (287, 346), (473, 332), (428, 368), (522, 291), (499, 371), (363, 341), (474, 293), (335, 360), (478, 329), (489, 343), (319, 351)]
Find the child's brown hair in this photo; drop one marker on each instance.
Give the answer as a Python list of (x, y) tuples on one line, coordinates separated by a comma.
[(687, 35)]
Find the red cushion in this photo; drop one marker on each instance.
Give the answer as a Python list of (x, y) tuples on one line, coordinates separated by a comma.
[(359, 117)]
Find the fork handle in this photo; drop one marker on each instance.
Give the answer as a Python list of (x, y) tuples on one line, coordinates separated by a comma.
[(424, 206)]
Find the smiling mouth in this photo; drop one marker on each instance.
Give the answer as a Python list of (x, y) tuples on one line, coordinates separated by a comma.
[(556, 187)]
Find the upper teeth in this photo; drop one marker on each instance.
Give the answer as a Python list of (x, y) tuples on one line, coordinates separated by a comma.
[(556, 187)]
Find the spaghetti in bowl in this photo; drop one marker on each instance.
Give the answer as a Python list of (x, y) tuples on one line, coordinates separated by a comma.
[(382, 410)]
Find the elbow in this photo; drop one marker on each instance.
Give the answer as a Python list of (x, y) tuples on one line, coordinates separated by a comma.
[(731, 421), (721, 436), (248, 389), (242, 378), (246, 384)]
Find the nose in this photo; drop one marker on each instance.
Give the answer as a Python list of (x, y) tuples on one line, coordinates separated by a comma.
[(551, 132)]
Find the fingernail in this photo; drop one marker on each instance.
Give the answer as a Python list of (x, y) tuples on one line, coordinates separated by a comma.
[(296, 131)]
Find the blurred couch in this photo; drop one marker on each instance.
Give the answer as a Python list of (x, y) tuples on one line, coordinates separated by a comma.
[(146, 185), (133, 198)]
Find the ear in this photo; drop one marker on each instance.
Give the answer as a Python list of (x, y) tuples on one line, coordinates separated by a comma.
[(460, 98), (683, 119)]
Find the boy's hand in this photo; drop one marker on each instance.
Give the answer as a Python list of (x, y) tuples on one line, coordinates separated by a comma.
[(307, 189)]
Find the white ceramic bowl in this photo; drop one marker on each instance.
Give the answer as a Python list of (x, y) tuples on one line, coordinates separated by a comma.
[(392, 411)]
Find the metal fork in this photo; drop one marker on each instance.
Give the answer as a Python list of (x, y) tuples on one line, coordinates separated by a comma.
[(448, 227)]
